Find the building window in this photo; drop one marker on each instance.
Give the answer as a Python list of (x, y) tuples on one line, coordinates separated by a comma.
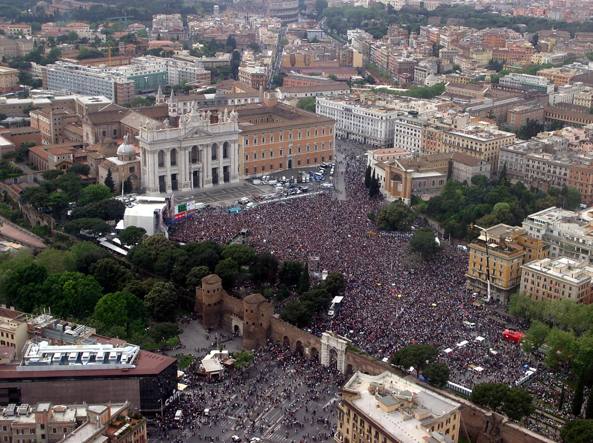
[(194, 154), (173, 156), (161, 158), (214, 151), (225, 150)]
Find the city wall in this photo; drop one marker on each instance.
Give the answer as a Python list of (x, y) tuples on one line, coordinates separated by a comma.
[(479, 425)]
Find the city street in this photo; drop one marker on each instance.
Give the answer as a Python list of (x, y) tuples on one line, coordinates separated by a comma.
[(281, 398)]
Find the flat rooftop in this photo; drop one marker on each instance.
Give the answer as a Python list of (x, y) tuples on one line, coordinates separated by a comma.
[(401, 423)]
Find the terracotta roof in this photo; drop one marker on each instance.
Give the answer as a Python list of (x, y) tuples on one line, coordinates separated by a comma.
[(147, 363), (108, 114), (44, 151), (11, 313), (465, 159), (334, 86)]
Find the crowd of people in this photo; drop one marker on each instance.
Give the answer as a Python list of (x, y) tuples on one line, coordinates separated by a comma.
[(292, 399), (392, 298)]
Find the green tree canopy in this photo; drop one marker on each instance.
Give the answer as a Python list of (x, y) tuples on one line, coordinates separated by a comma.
[(161, 302), (119, 309), (307, 104), (396, 216), (437, 374), (241, 254), (94, 193), (195, 276), (418, 356), (423, 241), (71, 294), (132, 235), (228, 270), (577, 431), (111, 274)]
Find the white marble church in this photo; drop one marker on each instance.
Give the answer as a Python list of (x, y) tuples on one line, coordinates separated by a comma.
[(200, 153)]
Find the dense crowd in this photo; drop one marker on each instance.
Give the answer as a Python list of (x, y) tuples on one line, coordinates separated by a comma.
[(293, 397), (392, 298)]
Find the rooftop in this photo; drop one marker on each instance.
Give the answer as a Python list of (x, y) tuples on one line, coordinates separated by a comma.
[(400, 407), (571, 271)]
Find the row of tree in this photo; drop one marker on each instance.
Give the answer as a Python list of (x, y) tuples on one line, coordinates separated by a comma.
[(488, 202), (561, 330)]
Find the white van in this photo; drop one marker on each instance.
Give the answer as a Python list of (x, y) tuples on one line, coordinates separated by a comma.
[(178, 415)]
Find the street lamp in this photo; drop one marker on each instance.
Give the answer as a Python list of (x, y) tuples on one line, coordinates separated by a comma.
[(485, 231)]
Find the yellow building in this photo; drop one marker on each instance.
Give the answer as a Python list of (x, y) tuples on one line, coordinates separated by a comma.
[(386, 408), (13, 330), (497, 256)]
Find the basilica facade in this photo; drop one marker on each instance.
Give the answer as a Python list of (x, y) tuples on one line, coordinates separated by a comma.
[(201, 152)]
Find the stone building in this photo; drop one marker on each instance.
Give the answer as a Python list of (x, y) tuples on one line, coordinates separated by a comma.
[(496, 257), (389, 408), (200, 153), (124, 166), (557, 279)]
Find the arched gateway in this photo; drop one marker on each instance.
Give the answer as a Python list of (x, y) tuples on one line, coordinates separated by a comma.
[(330, 343)]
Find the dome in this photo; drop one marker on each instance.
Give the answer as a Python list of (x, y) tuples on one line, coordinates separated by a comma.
[(125, 149)]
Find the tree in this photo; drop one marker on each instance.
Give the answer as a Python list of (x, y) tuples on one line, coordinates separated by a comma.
[(92, 226), (94, 193), (517, 404), (161, 301), (437, 374), (71, 294), (109, 181), (418, 356), (577, 431), (56, 261), (235, 63), (228, 270), (489, 395), (243, 359), (395, 216), (307, 104), (423, 241), (243, 255), (296, 313), (265, 268), (85, 255), (290, 273), (70, 184), (80, 169), (577, 400), (128, 186), (132, 235), (368, 177), (110, 209), (21, 286), (535, 336), (231, 43), (57, 203), (119, 309), (334, 284), (304, 282), (195, 276), (374, 187), (111, 274)]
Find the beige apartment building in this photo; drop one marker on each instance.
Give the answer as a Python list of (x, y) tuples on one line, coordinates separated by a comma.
[(478, 142), (13, 331), (9, 79), (557, 279), (47, 423), (387, 408), (496, 257)]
